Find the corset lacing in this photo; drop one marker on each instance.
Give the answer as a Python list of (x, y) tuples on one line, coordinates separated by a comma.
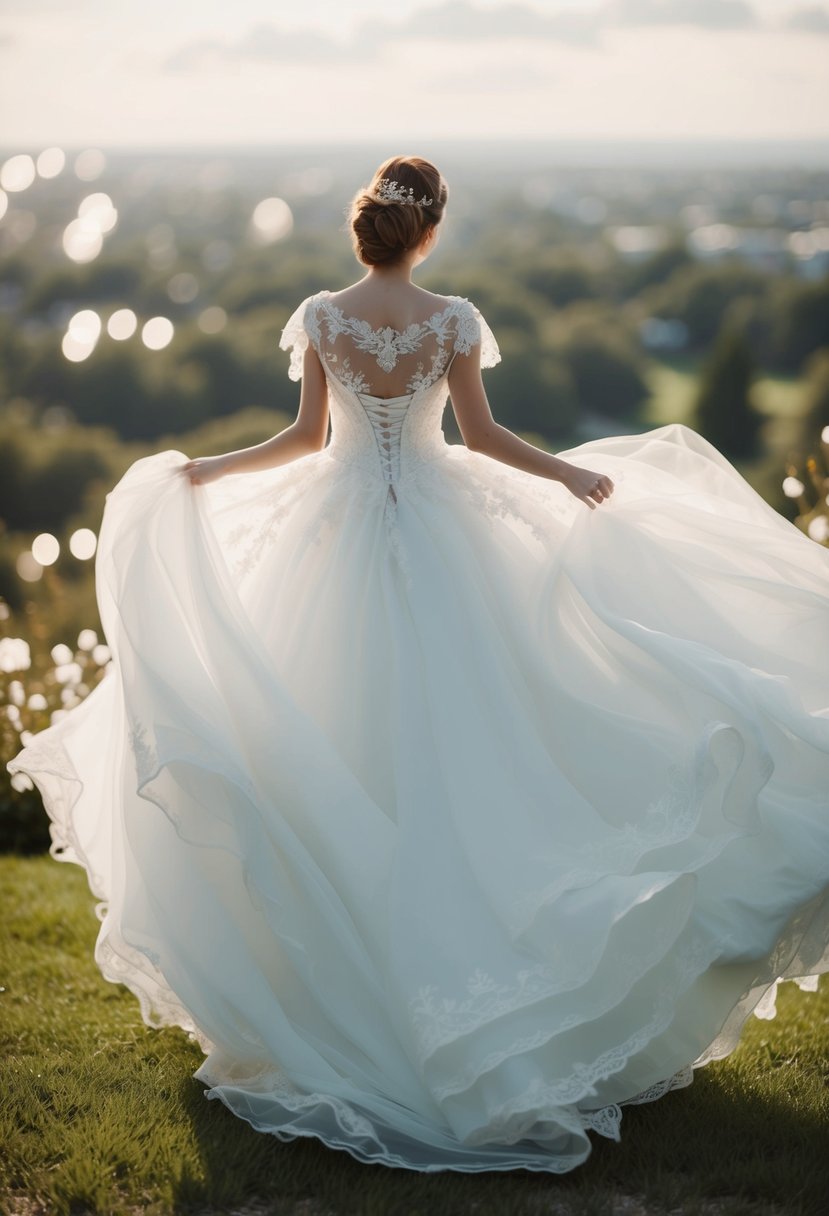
[(386, 415)]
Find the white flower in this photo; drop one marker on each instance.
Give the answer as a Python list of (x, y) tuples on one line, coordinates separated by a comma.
[(26, 737), (17, 693), (37, 701), (61, 654), (818, 528), (792, 487), (57, 714), (15, 654), (21, 782), (87, 639), (100, 654), (68, 673)]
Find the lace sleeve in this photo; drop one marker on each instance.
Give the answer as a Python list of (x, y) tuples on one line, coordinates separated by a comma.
[(300, 328), (473, 329)]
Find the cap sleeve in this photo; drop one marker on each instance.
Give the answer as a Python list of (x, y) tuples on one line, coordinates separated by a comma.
[(300, 328), (473, 330)]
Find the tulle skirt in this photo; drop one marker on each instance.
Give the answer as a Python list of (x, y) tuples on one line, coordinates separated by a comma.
[(450, 826)]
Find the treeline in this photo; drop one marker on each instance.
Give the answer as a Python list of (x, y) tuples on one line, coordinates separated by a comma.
[(567, 311)]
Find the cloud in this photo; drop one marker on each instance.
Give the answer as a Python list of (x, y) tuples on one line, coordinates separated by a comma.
[(809, 21), (461, 22), (453, 21), (707, 14), (267, 43)]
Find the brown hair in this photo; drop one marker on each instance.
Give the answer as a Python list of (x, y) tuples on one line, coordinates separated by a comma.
[(383, 231)]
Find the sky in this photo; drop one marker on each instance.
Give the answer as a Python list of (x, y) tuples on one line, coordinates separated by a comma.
[(161, 73)]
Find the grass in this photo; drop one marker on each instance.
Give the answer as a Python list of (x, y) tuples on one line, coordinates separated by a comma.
[(101, 1114)]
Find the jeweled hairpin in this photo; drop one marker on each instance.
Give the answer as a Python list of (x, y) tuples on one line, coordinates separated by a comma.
[(391, 192)]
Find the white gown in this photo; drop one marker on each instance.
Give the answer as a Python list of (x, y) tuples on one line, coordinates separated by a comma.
[(447, 814)]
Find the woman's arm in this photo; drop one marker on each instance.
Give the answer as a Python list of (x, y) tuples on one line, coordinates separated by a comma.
[(306, 434), (481, 433)]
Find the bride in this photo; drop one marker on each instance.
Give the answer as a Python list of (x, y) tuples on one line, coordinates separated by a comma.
[(448, 816)]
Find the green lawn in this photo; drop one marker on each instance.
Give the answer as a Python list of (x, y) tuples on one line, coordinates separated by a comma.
[(101, 1114)]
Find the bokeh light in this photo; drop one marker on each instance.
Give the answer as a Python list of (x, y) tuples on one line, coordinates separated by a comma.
[(82, 544), (212, 320), (183, 287), (272, 219), (28, 567), (85, 325), (61, 654), (157, 333), (17, 173), (81, 335), (97, 209), (45, 549), (51, 162), (82, 240), (74, 349), (793, 487), (83, 237), (122, 324), (89, 164), (4, 203), (87, 639)]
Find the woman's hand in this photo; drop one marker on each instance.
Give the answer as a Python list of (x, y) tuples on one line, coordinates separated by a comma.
[(204, 469), (589, 487)]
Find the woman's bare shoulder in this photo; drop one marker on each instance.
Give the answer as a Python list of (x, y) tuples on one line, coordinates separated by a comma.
[(359, 294)]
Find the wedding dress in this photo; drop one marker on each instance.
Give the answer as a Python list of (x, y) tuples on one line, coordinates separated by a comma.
[(448, 815)]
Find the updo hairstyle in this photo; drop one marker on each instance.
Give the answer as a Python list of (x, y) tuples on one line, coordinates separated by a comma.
[(382, 231)]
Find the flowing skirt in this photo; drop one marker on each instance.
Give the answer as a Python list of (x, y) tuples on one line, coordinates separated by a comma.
[(447, 828)]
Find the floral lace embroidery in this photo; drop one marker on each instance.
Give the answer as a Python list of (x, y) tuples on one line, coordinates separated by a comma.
[(460, 318), (441, 1022), (421, 380), (143, 749), (385, 343), (355, 381)]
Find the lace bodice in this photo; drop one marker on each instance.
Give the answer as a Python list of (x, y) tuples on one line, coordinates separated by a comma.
[(387, 388), (393, 380), (382, 361)]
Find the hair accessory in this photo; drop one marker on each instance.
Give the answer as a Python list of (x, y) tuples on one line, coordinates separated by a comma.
[(390, 192)]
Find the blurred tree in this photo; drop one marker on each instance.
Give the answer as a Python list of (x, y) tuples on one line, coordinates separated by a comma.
[(700, 295), (559, 277), (816, 416), (602, 359), (724, 411), (105, 279), (635, 277), (531, 394), (799, 322), (44, 477)]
